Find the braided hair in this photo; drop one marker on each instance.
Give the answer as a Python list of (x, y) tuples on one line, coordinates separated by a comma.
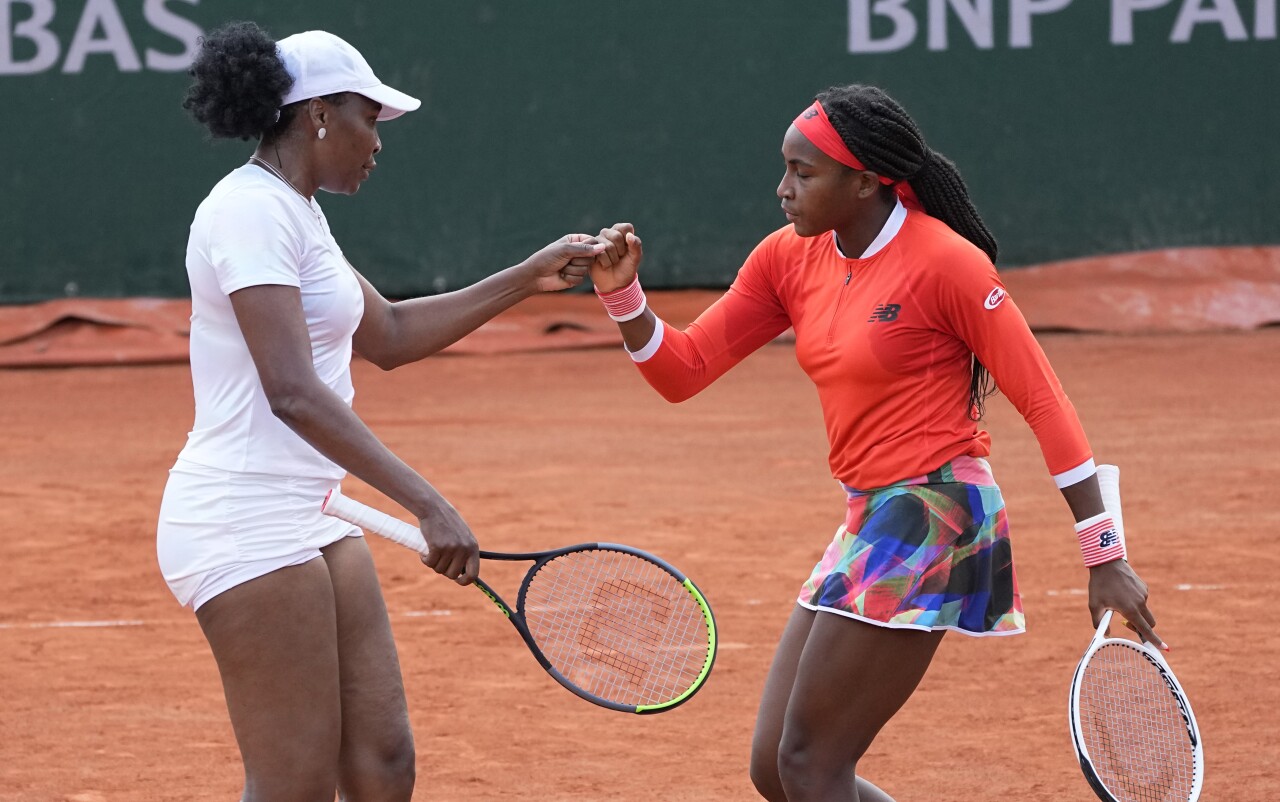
[(885, 138)]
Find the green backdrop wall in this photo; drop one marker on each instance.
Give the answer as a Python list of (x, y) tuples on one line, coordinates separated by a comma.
[(1082, 127)]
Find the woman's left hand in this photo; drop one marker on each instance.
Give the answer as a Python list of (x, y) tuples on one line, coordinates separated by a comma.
[(562, 264)]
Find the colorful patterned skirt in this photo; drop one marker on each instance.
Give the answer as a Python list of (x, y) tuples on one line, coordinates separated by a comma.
[(930, 552)]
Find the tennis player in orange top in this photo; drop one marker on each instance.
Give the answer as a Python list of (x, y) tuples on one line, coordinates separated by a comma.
[(885, 271)]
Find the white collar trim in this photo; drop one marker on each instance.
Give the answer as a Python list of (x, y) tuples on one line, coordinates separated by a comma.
[(891, 228)]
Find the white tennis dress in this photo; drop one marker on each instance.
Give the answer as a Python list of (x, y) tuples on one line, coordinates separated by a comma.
[(244, 497)]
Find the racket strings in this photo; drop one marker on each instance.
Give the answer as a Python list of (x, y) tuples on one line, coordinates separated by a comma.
[(1133, 729), (617, 626)]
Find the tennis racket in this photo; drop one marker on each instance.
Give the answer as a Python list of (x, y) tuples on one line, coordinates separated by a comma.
[(1131, 723), (615, 625)]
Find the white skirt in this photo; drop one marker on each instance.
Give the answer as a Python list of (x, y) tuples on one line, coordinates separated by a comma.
[(219, 529)]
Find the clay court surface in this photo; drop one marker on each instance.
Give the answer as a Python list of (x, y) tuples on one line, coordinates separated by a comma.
[(108, 691)]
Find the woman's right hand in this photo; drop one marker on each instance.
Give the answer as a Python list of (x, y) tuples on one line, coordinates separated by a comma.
[(617, 265), (562, 264), (452, 550)]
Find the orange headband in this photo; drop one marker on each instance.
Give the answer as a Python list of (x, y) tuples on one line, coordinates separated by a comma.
[(817, 128)]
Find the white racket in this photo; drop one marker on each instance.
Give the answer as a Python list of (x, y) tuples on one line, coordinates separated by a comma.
[(1131, 723)]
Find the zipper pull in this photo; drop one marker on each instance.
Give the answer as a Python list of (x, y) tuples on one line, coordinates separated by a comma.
[(848, 276)]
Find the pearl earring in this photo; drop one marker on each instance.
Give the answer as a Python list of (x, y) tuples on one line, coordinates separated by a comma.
[(321, 133)]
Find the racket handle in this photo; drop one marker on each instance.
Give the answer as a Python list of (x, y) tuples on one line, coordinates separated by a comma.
[(1109, 484), (371, 520)]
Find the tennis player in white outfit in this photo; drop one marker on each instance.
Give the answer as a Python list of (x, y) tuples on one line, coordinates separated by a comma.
[(287, 598)]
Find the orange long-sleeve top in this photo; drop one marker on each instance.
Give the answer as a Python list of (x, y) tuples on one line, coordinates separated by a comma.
[(887, 339)]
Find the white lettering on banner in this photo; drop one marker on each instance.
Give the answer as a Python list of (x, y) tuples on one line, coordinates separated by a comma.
[(974, 15), (1122, 18), (116, 42), (100, 29), (1020, 14), (34, 29), (977, 17), (1226, 13), (1223, 12), (899, 21), (180, 28), (1264, 19), (860, 39)]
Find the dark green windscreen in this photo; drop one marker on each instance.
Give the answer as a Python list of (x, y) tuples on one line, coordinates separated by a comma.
[(1082, 127)]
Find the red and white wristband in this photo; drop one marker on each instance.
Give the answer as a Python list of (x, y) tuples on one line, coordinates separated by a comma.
[(627, 303), (1101, 541)]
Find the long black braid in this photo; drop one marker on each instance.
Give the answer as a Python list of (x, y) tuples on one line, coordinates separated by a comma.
[(885, 138)]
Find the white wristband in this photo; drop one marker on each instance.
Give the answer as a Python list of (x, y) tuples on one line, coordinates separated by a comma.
[(624, 304)]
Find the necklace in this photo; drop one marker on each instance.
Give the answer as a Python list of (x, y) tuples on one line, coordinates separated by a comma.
[(271, 168)]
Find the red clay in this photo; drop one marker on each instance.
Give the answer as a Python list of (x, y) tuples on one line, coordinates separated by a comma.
[(540, 449)]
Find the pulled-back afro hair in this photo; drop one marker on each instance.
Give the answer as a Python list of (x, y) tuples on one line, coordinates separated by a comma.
[(239, 83)]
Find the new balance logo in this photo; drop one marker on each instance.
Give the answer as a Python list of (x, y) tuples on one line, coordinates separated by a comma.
[(1108, 538), (885, 313), (810, 114)]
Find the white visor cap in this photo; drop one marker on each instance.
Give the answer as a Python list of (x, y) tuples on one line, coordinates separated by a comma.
[(323, 64)]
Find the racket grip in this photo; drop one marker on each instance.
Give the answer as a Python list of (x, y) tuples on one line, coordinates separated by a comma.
[(371, 520), (1109, 484)]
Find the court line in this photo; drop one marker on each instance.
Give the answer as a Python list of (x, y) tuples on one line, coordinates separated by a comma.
[(75, 624), (139, 623), (119, 623), (1184, 587)]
